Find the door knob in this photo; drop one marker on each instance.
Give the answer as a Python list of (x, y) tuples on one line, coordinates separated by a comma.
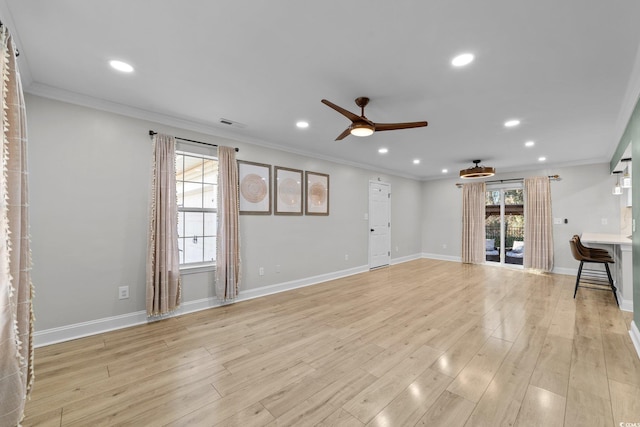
[(372, 230)]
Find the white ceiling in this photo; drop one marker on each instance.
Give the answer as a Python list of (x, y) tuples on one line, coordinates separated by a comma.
[(561, 67)]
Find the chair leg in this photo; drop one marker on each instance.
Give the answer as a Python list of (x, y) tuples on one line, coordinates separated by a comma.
[(613, 287), (578, 278)]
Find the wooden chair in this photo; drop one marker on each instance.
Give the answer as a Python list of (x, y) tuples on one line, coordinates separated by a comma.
[(595, 277)]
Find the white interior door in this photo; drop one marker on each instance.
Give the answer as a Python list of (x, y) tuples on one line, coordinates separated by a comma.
[(379, 224)]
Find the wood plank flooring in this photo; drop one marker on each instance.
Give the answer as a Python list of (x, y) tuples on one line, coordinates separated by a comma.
[(425, 343)]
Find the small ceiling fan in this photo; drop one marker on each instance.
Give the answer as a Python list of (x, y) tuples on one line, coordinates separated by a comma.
[(361, 126)]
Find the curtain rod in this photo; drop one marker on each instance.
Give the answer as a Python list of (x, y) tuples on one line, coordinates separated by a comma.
[(152, 132), (500, 181)]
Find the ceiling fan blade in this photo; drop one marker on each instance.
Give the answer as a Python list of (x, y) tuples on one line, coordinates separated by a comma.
[(344, 134), (395, 126), (348, 114)]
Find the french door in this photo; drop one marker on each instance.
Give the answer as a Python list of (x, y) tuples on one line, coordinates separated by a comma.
[(504, 224)]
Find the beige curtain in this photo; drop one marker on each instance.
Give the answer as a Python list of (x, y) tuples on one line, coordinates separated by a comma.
[(473, 223), (163, 262), (16, 290), (227, 241), (538, 225)]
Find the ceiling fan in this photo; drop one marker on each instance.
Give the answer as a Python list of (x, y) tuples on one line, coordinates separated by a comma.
[(361, 126)]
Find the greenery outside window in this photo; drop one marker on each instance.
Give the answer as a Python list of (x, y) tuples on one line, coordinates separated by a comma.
[(196, 187)]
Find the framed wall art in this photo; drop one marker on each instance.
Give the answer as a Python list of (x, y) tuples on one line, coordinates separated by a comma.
[(255, 188), (288, 191), (317, 193)]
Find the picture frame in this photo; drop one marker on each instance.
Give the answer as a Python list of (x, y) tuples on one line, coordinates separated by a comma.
[(287, 191), (254, 188), (316, 193)]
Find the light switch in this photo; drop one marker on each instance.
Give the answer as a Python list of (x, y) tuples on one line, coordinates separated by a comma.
[(557, 221)]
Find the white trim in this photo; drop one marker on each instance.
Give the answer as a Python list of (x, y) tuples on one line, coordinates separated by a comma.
[(635, 336), (75, 98), (442, 257), (83, 329), (567, 271), (294, 284), (98, 326), (192, 269), (625, 304), (407, 258)]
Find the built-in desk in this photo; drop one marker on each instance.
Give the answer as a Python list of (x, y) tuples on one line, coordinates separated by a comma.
[(623, 268)]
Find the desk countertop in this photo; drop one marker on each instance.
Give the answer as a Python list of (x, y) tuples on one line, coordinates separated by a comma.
[(609, 239)]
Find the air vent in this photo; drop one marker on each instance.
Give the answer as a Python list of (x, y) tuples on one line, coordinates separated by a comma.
[(231, 123)]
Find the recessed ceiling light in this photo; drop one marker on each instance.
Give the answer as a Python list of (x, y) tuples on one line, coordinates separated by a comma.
[(511, 123), (383, 150), (529, 144), (121, 66), (302, 124), (462, 60), (416, 161), (542, 159), (445, 170)]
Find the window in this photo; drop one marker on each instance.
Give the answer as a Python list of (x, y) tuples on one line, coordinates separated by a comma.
[(196, 187)]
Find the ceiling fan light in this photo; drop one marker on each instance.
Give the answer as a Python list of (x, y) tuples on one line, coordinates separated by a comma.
[(361, 129), (477, 171)]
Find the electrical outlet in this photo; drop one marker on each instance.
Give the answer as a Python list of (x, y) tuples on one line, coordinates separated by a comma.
[(277, 268), (123, 292), (261, 271), (346, 257), (397, 249), (604, 221)]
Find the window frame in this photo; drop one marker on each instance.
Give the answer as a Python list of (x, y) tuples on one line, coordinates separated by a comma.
[(195, 267)]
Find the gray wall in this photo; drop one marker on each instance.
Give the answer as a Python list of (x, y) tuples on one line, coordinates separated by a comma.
[(582, 196), (90, 181)]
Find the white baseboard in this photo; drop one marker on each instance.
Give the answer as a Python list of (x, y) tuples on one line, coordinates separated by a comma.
[(625, 304), (408, 258), (294, 284), (635, 336), (442, 257), (98, 326), (567, 271)]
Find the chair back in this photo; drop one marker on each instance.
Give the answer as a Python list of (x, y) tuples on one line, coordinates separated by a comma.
[(574, 250)]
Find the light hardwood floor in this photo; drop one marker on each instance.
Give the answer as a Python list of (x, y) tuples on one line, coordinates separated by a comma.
[(427, 343)]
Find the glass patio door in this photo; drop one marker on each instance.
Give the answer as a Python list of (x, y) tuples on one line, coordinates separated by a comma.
[(504, 224)]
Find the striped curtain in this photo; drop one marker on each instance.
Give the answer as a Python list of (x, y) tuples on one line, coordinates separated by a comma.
[(473, 223), (227, 240), (538, 224), (16, 290), (163, 260)]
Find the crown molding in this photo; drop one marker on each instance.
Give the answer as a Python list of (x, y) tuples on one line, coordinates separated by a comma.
[(76, 98)]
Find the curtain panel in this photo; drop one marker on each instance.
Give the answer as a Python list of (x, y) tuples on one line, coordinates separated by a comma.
[(538, 225), (473, 223), (227, 241), (163, 286), (16, 290)]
